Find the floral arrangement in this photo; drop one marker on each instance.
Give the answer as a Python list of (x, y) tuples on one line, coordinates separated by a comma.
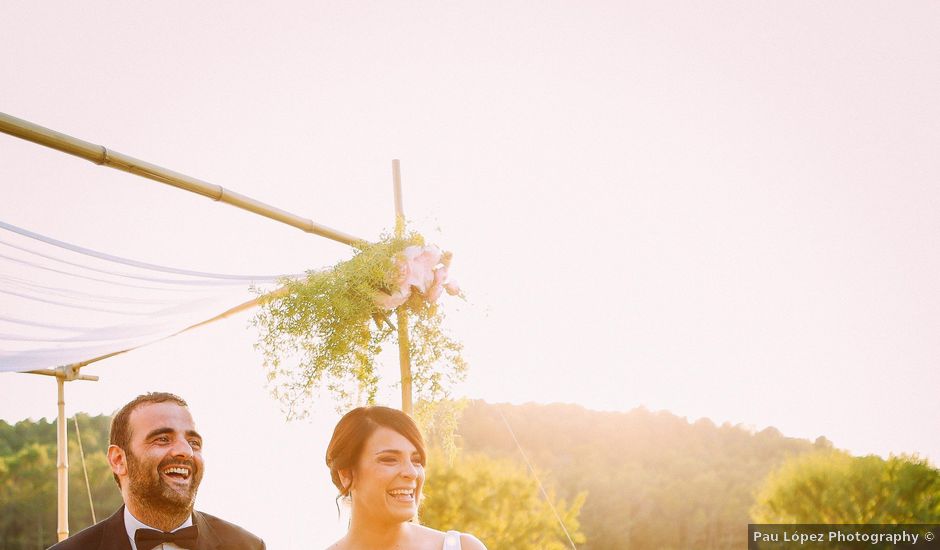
[(422, 269), (325, 331)]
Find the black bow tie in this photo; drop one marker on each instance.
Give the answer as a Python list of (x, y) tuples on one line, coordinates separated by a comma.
[(148, 539)]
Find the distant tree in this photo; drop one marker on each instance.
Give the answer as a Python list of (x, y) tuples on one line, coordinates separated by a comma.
[(499, 502), (28, 480), (835, 487), (104, 491), (27, 498)]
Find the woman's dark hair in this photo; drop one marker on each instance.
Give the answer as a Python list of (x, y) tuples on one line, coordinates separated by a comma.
[(356, 426)]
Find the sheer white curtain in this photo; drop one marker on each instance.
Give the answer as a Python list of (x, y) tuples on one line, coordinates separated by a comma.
[(62, 304)]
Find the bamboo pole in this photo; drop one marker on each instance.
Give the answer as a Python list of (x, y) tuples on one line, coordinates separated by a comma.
[(100, 154), (62, 465), (63, 375), (404, 344)]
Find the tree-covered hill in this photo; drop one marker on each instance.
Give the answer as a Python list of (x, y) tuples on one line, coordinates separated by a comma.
[(28, 480), (653, 479)]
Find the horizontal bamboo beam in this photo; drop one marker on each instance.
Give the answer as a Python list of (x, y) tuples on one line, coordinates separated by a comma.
[(100, 154), (67, 373)]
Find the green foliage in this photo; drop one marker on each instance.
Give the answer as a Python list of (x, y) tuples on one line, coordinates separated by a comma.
[(27, 488), (499, 502), (654, 480), (28, 480), (324, 332), (835, 487), (438, 421)]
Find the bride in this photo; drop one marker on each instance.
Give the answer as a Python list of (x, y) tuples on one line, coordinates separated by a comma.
[(376, 459)]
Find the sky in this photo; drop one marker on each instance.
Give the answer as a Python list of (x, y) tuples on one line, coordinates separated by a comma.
[(723, 210)]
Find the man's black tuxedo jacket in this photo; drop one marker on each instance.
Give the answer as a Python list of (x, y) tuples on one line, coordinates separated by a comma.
[(110, 534)]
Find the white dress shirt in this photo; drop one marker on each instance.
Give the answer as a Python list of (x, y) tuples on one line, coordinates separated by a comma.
[(132, 524)]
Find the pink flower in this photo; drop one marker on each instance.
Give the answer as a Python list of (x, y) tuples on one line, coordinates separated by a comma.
[(442, 281), (401, 272), (437, 287), (386, 301), (421, 264), (421, 268)]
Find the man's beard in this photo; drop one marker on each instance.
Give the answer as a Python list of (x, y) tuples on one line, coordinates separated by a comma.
[(148, 487)]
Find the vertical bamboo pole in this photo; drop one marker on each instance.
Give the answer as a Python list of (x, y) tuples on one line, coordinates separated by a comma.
[(404, 344), (62, 464)]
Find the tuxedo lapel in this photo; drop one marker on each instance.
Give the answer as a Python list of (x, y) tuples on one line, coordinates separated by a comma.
[(214, 534), (114, 534), (208, 539)]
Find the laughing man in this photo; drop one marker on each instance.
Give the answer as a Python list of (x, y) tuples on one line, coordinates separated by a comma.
[(155, 453)]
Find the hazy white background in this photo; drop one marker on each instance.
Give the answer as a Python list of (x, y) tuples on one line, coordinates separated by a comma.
[(726, 210)]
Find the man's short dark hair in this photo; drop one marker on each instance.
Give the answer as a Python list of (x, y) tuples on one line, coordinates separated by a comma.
[(120, 422)]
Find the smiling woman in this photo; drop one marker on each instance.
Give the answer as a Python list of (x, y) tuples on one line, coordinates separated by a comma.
[(377, 460)]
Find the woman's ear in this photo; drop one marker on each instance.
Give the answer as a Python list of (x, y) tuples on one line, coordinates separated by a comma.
[(346, 478)]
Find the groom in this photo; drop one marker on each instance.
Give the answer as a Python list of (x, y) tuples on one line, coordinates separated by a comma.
[(156, 457)]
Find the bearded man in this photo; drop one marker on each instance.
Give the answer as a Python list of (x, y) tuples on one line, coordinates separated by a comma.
[(155, 454)]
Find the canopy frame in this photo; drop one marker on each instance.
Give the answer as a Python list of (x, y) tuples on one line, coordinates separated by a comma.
[(101, 155)]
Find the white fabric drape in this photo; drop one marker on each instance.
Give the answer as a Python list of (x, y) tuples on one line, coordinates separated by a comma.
[(62, 304)]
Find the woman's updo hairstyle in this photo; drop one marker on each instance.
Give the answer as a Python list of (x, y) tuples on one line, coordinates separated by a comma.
[(356, 426)]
